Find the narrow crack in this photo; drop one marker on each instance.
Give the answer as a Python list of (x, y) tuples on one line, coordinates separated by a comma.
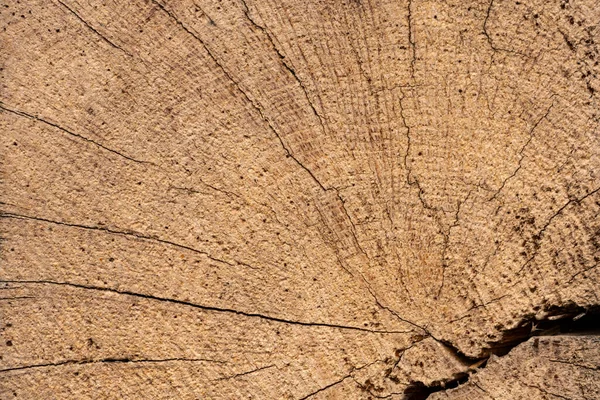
[(337, 382), (494, 48), (521, 151), (411, 39), (42, 120), (110, 360), (104, 38), (120, 232), (410, 179), (485, 21), (200, 306), (578, 365), (542, 390), (447, 235), (538, 237), (258, 109), (246, 373), (332, 384), (284, 62)]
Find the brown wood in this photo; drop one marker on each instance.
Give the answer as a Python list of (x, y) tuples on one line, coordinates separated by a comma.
[(299, 200)]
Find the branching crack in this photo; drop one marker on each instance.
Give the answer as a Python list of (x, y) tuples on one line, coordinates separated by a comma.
[(537, 237), (284, 61), (257, 108), (42, 120), (447, 240), (489, 38), (337, 382)]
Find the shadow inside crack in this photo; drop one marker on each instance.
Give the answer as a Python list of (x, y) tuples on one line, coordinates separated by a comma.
[(565, 320)]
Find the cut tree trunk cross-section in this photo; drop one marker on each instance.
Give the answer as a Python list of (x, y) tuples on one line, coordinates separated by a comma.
[(338, 199)]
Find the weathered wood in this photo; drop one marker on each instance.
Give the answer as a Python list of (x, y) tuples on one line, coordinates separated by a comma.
[(322, 199)]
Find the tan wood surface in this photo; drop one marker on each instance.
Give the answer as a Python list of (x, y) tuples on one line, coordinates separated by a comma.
[(338, 199)]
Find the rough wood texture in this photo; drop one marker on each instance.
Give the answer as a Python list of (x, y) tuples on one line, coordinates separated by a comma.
[(561, 367), (299, 199)]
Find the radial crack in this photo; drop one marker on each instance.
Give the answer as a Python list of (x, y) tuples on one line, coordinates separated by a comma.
[(542, 231), (124, 360), (246, 373), (40, 119), (104, 38), (117, 232), (200, 306), (520, 154), (284, 62), (242, 91)]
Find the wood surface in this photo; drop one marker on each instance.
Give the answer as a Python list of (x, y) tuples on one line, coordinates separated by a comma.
[(337, 199)]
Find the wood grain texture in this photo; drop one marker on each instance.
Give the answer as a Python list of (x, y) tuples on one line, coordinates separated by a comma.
[(299, 199)]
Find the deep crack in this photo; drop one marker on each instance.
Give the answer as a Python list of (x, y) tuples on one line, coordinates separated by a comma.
[(566, 320)]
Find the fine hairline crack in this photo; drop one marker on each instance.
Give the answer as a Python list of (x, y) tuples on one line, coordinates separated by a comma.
[(104, 38), (284, 61)]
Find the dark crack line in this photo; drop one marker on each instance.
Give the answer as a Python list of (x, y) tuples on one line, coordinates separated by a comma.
[(242, 91), (17, 298), (284, 62), (521, 155), (308, 396), (332, 384), (560, 210), (447, 235), (483, 390), (352, 225), (200, 306), (542, 231), (583, 272), (403, 351), (246, 373), (289, 153), (104, 38), (410, 179), (124, 360), (489, 38), (394, 313), (39, 119), (485, 21), (485, 304), (191, 191), (411, 40), (118, 232)]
